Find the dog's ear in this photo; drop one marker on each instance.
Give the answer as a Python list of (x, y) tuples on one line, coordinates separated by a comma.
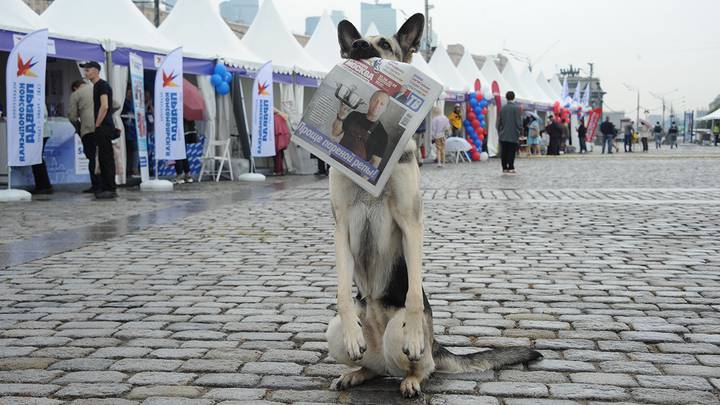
[(347, 34), (409, 35)]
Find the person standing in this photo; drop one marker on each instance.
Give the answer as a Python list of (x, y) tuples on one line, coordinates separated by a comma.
[(627, 145), (456, 121), (39, 171), (534, 137), (716, 133), (657, 134), (608, 130), (554, 131), (440, 129), (509, 126), (104, 130), (644, 135), (673, 134), (82, 116), (582, 132)]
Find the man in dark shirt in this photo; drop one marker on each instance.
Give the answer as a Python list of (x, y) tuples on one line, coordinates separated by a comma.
[(104, 130), (582, 133), (364, 134), (554, 131), (673, 135), (608, 130)]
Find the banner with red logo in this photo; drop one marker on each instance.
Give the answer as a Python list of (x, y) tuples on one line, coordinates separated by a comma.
[(263, 121), (593, 122), (169, 130), (25, 80)]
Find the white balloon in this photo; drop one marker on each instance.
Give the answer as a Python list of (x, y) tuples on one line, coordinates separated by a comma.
[(484, 156)]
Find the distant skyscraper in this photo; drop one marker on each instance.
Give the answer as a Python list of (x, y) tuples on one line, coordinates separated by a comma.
[(240, 11), (311, 22), (383, 15)]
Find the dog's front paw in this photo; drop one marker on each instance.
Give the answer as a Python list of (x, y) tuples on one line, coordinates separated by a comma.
[(414, 341), (355, 341), (410, 387)]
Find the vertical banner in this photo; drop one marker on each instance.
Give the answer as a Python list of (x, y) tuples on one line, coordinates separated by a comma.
[(138, 95), (263, 124), (688, 125), (593, 121), (25, 81), (169, 131)]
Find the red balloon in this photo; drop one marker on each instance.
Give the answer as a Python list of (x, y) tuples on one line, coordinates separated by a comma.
[(481, 138), (484, 110), (471, 116), (481, 131), (476, 124), (478, 96)]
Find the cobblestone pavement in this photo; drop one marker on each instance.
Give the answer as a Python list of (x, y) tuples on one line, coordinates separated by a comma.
[(610, 266)]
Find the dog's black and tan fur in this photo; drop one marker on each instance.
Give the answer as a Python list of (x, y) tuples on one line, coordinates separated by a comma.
[(387, 329)]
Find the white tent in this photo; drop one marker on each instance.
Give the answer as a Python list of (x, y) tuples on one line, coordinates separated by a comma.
[(715, 115), (323, 45), (419, 62), (470, 72), (18, 17), (513, 80), (372, 30), (545, 86), (269, 38), (537, 93), (491, 72), (119, 24), (443, 66), (555, 85), (211, 37)]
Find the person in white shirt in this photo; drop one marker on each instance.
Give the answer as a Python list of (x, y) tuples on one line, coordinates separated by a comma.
[(440, 128)]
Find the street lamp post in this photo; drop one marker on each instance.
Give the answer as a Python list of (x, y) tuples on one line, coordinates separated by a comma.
[(637, 111), (661, 97)]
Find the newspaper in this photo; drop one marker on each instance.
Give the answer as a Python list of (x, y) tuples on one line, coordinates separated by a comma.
[(362, 116)]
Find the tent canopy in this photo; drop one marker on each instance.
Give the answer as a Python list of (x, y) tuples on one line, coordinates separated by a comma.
[(419, 62), (715, 115), (443, 66), (491, 72), (513, 80), (323, 45), (123, 26), (545, 86), (203, 34), (18, 17), (536, 92), (470, 72), (372, 30), (269, 38), (555, 85)]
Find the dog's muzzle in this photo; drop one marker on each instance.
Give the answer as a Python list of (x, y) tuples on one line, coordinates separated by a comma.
[(361, 49)]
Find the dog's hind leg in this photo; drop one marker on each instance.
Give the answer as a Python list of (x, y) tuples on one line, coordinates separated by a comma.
[(398, 364)]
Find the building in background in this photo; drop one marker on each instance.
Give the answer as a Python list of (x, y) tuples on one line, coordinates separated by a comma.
[(311, 22), (239, 11), (382, 14)]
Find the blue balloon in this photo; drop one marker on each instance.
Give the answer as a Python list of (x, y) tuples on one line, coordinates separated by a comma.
[(473, 102), (223, 89), (216, 80), (483, 103), (220, 70), (228, 77)]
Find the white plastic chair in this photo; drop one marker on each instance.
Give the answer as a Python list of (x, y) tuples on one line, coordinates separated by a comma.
[(210, 155)]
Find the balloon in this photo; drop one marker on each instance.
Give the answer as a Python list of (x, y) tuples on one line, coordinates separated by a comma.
[(481, 137), (478, 96), (471, 116), (484, 110), (216, 80), (223, 89), (481, 131), (475, 123), (484, 156), (473, 102), (220, 70), (228, 77)]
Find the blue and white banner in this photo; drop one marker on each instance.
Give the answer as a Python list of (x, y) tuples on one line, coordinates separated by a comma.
[(263, 121), (169, 131), (25, 80), (138, 95)]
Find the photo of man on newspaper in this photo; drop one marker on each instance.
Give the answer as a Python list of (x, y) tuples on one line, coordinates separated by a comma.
[(363, 133)]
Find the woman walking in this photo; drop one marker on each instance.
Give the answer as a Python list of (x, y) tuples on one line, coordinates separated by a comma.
[(440, 127)]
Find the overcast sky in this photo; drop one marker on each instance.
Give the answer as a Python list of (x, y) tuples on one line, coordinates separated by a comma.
[(653, 45)]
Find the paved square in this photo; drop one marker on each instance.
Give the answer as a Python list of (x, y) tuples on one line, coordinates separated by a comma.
[(219, 294)]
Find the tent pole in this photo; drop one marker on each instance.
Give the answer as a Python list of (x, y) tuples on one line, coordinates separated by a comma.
[(9, 177), (242, 101)]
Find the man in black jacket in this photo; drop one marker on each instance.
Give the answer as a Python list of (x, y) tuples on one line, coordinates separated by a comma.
[(608, 130)]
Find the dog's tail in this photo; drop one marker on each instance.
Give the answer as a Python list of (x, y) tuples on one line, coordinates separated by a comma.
[(448, 362)]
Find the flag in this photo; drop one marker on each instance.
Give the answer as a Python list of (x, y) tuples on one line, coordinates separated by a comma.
[(169, 130), (263, 124), (25, 81), (586, 97), (565, 92), (577, 96)]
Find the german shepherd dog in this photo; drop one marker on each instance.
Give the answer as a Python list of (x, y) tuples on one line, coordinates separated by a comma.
[(387, 329)]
